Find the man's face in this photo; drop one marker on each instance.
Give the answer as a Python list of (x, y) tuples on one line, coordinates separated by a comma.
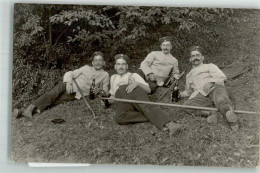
[(196, 58), (121, 66), (166, 47), (98, 62)]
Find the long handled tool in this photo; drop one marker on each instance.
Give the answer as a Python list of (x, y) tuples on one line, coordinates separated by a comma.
[(84, 99), (176, 105), (170, 87)]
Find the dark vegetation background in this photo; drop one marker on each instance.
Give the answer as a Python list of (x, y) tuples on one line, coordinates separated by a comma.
[(52, 39)]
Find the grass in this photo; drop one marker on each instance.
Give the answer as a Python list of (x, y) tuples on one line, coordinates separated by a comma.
[(99, 140)]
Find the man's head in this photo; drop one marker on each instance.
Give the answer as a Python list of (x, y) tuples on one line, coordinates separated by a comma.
[(196, 57), (98, 60), (121, 64), (166, 44)]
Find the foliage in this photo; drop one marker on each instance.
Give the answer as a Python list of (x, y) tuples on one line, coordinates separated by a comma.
[(48, 36), (30, 82)]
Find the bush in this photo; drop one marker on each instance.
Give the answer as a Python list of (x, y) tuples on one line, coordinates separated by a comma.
[(29, 82)]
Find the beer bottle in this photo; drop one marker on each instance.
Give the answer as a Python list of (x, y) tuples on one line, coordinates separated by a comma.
[(175, 93), (103, 94), (91, 90)]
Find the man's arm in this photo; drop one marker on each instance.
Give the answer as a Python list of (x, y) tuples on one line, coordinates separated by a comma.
[(68, 76), (135, 84), (187, 92), (72, 75), (78, 72), (217, 75), (136, 80), (106, 84), (176, 71), (146, 64)]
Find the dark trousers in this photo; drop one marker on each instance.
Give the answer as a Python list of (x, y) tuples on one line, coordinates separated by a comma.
[(153, 85), (218, 96), (127, 113), (53, 97)]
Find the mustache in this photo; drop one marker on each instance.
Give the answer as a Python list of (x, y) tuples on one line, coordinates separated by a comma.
[(195, 60)]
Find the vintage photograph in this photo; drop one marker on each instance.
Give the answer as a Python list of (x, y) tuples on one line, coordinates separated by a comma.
[(135, 85)]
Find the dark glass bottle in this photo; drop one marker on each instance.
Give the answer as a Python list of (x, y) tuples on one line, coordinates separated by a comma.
[(175, 93), (91, 90), (103, 94)]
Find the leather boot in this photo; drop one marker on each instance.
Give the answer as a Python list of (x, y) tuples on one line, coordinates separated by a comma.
[(28, 111), (174, 128)]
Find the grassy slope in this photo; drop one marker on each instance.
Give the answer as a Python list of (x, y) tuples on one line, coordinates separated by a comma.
[(100, 140)]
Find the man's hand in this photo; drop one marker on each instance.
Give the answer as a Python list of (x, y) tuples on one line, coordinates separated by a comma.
[(97, 91), (181, 95), (131, 86), (69, 88), (207, 87), (152, 77), (172, 79)]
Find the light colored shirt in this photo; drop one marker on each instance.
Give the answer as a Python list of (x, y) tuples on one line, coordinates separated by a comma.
[(161, 65), (125, 79), (199, 76), (84, 77)]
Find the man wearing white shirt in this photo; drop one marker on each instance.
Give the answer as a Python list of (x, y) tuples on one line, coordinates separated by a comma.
[(131, 86), (158, 66), (66, 90), (205, 87)]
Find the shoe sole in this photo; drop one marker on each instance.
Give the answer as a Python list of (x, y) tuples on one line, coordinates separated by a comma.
[(231, 116), (176, 131)]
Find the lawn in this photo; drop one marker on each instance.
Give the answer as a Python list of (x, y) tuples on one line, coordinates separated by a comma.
[(99, 140)]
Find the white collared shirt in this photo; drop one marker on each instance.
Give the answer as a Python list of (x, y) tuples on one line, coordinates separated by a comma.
[(199, 76), (84, 77), (125, 79), (160, 64)]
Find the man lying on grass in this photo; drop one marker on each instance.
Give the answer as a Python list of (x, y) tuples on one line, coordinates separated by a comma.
[(205, 87), (159, 65), (128, 85), (66, 90)]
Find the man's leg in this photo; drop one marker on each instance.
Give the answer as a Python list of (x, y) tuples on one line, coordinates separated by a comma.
[(126, 113), (198, 100), (153, 85), (64, 97), (153, 113), (45, 100), (220, 97)]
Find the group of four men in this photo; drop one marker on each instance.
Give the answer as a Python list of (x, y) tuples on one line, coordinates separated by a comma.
[(204, 87)]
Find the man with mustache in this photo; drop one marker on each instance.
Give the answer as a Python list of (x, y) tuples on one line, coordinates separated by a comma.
[(131, 86), (158, 66), (67, 90), (205, 87)]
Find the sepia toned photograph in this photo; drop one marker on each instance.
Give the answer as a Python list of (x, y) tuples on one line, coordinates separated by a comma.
[(135, 85)]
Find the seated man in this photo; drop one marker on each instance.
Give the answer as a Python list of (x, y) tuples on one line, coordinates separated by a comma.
[(205, 86), (67, 90), (158, 66), (131, 86)]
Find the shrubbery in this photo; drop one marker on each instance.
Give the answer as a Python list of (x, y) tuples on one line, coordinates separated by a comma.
[(52, 37)]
